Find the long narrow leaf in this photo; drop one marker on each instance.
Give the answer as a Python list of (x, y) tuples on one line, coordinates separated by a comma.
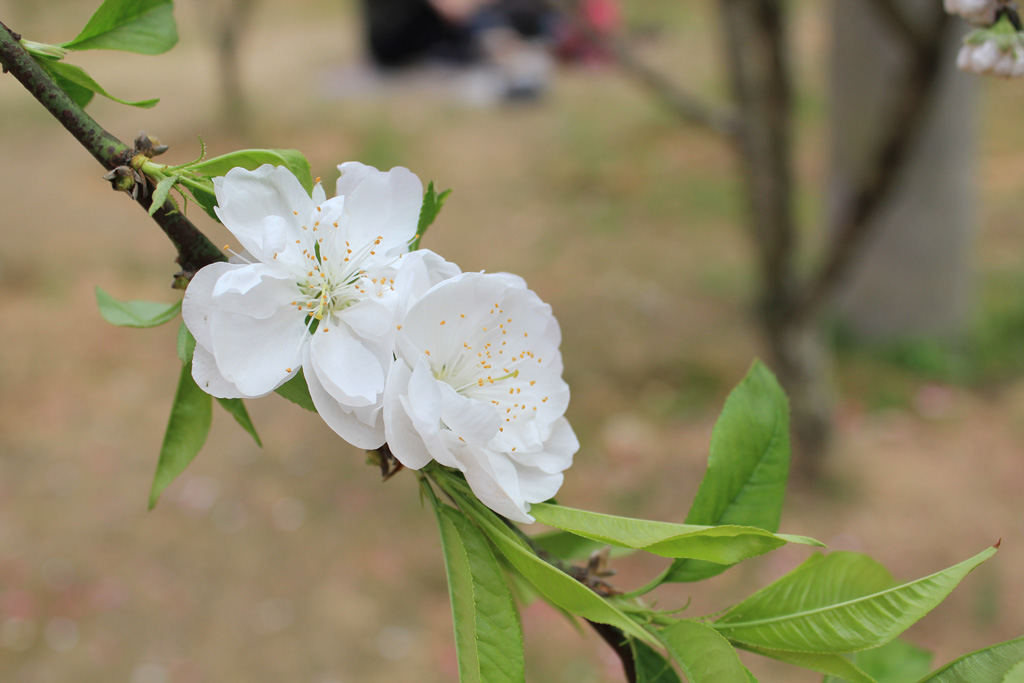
[(704, 655), (796, 612), (236, 407), (996, 664), (748, 466), (187, 429), (828, 664), (555, 585), (722, 544), (488, 636)]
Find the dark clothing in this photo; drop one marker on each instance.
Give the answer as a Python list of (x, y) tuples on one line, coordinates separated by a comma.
[(400, 32)]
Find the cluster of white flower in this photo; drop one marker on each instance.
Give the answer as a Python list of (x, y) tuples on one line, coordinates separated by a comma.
[(992, 57), (395, 346), (978, 12)]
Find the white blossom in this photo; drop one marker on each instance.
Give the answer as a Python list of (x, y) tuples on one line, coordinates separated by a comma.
[(978, 12), (314, 291), (477, 385), (988, 57)]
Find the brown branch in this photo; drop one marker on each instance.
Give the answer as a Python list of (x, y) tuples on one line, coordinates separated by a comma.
[(194, 249), (618, 642), (855, 223), (684, 104)]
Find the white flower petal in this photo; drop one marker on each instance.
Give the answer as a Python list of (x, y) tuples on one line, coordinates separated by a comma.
[(556, 453), (208, 377), (418, 272), (197, 304), (402, 437), (360, 430), (385, 205), (495, 481), (352, 174), (372, 319), (255, 290), (346, 368), (245, 199), (473, 421), (537, 486), (257, 354)]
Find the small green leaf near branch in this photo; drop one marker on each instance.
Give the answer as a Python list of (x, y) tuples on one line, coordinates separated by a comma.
[(135, 313), (81, 86), (432, 204)]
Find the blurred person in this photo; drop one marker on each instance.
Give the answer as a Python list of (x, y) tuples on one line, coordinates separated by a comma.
[(403, 32), (507, 39)]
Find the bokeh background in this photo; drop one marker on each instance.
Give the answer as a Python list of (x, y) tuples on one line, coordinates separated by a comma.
[(293, 562)]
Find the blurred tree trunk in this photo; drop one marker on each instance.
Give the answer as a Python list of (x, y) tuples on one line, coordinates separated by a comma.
[(913, 278), (791, 303)]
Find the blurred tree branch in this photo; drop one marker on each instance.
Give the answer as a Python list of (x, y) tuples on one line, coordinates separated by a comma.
[(684, 104), (194, 249)]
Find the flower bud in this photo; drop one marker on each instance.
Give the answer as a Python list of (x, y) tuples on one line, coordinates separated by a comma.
[(122, 179), (989, 57)]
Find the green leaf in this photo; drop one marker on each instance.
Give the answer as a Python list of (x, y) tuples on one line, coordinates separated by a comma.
[(135, 313), (829, 664), (432, 204), (996, 664), (824, 605), (704, 655), (81, 96), (65, 73), (187, 429), (488, 636), (555, 585), (160, 193), (895, 662), (297, 391), (567, 546), (241, 415), (143, 26), (722, 544), (748, 466), (651, 666), (186, 345), (252, 159)]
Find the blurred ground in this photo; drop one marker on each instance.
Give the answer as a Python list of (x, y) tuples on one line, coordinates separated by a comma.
[(292, 563)]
